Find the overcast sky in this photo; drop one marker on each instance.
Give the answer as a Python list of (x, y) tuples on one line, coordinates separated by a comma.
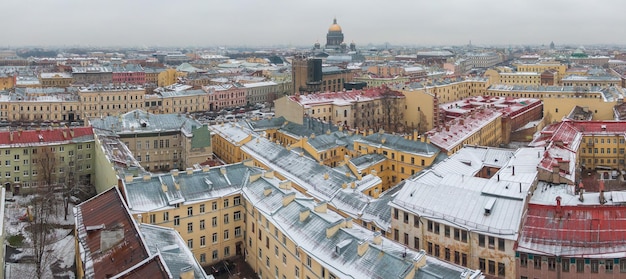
[(302, 23)]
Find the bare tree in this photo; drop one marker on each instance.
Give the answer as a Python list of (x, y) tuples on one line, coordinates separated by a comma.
[(42, 208), (390, 104)]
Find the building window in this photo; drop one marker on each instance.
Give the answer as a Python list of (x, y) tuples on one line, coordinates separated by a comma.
[(214, 238), (202, 224), (537, 262), (446, 231), (214, 206), (523, 260), (189, 227), (226, 236), (551, 263), (190, 243), (214, 222), (215, 254), (501, 270), (176, 220), (501, 246), (416, 221), (202, 241), (482, 265), (226, 251), (406, 239), (225, 203), (237, 200), (608, 265), (225, 218), (492, 267), (580, 265), (481, 240), (237, 231), (202, 208), (416, 243), (203, 258), (237, 215), (190, 211), (492, 242), (308, 261), (406, 218), (437, 250), (446, 254), (595, 266), (565, 265), (395, 212), (166, 216)]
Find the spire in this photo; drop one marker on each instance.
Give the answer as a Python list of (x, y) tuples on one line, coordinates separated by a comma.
[(335, 20)]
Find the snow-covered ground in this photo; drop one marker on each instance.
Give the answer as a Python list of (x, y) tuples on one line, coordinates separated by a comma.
[(59, 257)]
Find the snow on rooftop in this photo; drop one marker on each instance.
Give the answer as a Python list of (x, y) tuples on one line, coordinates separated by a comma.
[(338, 252), (458, 131), (429, 194)]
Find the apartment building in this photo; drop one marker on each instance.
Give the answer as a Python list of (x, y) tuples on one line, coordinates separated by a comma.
[(35, 158), (159, 141), (7, 81), (403, 157), (107, 100), (92, 75), (373, 108), (468, 209), (40, 105), (483, 126), (540, 67), (60, 79), (225, 96), (291, 236), (421, 111), (204, 205), (177, 101), (558, 101)]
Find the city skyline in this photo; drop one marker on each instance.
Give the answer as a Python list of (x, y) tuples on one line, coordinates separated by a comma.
[(290, 23)]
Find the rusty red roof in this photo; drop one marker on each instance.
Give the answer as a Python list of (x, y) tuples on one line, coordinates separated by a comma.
[(57, 135), (110, 241), (574, 230)]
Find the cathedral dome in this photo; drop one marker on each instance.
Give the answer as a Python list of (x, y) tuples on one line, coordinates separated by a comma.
[(335, 27)]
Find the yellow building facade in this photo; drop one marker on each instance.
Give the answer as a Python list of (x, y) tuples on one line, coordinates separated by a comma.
[(6, 82), (559, 101), (97, 102)]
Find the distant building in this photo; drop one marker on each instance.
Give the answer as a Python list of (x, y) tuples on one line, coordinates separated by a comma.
[(92, 75), (60, 79), (160, 142), (129, 74), (374, 108)]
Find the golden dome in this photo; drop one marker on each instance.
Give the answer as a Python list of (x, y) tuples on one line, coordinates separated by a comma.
[(335, 27)]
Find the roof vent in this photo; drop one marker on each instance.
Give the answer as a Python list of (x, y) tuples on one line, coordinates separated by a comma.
[(489, 206)]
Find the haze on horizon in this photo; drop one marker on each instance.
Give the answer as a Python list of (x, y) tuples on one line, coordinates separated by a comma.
[(299, 23)]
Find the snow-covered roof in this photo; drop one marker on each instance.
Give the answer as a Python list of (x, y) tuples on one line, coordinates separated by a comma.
[(429, 195), (162, 191), (338, 251), (170, 245), (139, 121)]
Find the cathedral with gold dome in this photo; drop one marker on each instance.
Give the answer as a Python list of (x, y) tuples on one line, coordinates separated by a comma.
[(334, 40)]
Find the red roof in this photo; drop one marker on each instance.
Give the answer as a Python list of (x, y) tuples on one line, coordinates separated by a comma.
[(45, 135), (98, 222), (575, 226)]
